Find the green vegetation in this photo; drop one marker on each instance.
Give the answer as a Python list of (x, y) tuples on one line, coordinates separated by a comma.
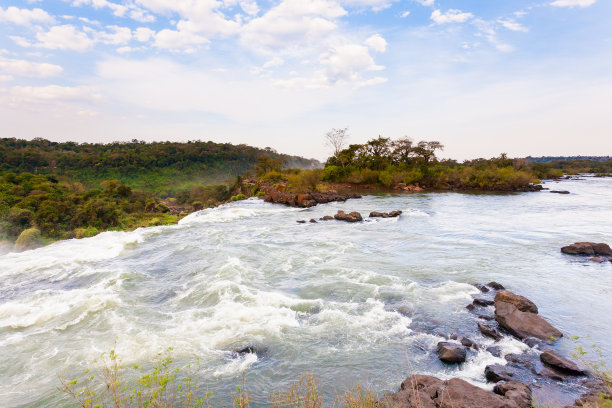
[(164, 385), (165, 168), (36, 209)]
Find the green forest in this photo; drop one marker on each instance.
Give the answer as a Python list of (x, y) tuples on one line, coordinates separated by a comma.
[(51, 191)]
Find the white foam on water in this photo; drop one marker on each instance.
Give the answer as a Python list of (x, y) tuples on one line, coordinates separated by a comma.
[(413, 212), (63, 308), (237, 365), (249, 208)]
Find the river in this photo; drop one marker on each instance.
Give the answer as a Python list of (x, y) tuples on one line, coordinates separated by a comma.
[(351, 303)]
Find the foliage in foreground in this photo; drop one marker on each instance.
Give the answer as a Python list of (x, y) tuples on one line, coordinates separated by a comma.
[(162, 386)]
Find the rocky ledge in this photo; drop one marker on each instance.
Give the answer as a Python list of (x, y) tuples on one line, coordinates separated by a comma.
[(305, 200)]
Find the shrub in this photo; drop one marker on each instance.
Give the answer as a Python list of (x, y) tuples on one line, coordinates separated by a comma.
[(238, 197), (85, 232), (272, 176), (385, 178), (163, 208), (332, 173), (305, 181), (363, 176), (197, 205), (28, 239), (304, 393)]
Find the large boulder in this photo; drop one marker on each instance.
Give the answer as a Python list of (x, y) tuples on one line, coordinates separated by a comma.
[(451, 353), (522, 303), (350, 217), (587, 248), (524, 324), (561, 363), (424, 391)]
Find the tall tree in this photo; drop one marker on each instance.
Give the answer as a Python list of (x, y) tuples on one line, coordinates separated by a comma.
[(336, 139)]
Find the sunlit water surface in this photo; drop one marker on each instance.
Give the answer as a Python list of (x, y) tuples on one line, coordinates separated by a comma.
[(321, 297)]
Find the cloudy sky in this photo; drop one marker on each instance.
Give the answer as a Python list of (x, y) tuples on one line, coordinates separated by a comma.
[(482, 77)]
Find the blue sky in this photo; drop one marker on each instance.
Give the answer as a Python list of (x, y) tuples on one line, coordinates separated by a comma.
[(482, 77)]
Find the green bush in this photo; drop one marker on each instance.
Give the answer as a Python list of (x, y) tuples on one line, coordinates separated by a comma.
[(238, 197), (28, 239), (85, 232), (305, 180), (385, 178)]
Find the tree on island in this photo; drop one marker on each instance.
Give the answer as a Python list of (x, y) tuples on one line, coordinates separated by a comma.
[(336, 139)]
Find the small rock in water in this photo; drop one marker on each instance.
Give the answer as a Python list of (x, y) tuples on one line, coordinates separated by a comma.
[(560, 191), (495, 286), (251, 349), (465, 341), (482, 287), (313, 221), (470, 307), (451, 353), (596, 259), (326, 218), (489, 331), (495, 350), (587, 248), (350, 217), (497, 372), (483, 302), (301, 222)]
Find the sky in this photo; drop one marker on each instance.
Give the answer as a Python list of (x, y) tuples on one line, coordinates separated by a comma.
[(483, 77)]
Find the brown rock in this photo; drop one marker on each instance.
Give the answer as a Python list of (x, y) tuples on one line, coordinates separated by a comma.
[(522, 303), (376, 214), (489, 331), (561, 363), (495, 286), (424, 391), (524, 324), (587, 248), (350, 217), (326, 218), (483, 302), (451, 353), (596, 259), (497, 372)]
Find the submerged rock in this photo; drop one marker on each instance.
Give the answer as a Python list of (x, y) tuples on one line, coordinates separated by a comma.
[(350, 217), (560, 191), (251, 349), (465, 341), (451, 353), (483, 302), (497, 372), (425, 391), (496, 351), (587, 248), (495, 286)]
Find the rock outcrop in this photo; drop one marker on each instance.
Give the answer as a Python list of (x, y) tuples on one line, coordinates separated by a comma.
[(350, 217), (305, 200), (392, 214), (425, 391), (520, 323), (522, 303), (587, 248), (561, 363)]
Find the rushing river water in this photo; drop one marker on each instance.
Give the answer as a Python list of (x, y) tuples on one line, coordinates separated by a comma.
[(320, 297)]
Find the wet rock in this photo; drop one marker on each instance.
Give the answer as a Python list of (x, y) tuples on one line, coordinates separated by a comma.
[(495, 286), (326, 218), (313, 221), (376, 214), (560, 191), (392, 214), (561, 363), (596, 259), (487, 317), (481, 288), (587, 248), (470, 307), (301, 222), (516, 392), (496, 351), (451, 353), (519, 359), (483, 302), (522, 303), (424, 391), (404, 311), (350, 217), (251, 349), (465, 341), (524, 324), (395, 213), (497, 372), (489, 331)]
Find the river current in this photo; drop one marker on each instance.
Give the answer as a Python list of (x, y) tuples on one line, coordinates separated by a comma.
[(352, 303)]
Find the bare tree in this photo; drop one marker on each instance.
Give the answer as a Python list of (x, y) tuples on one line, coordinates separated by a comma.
[(336, 139)]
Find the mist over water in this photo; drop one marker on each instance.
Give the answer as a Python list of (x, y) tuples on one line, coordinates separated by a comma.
[(320, 297)]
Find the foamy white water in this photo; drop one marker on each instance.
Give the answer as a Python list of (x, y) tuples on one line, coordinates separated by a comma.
[(320, 297)]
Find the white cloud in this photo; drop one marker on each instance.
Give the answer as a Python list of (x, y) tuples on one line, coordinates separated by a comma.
[(426, 2), (54, 92), (405, 14), (451, 16), (25, 16), (5, 78), (573, 3), (293, 23), (375, 5), (513, 25), (274, 62), (116, 36), (182, 40), (27, 68), (143, 34), (377, 43), (64, 37)]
